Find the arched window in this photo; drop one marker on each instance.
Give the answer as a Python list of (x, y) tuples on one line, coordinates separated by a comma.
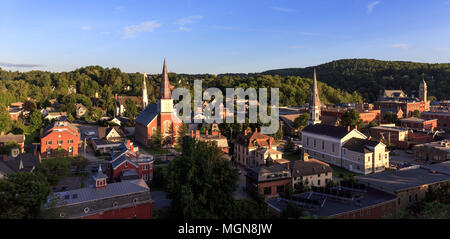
[(167, 126)]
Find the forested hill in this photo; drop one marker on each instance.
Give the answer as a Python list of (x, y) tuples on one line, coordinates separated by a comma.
[(368, 76)]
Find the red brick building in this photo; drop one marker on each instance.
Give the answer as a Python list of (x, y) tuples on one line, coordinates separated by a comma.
[(128, 164), (214, 137), (407, 107), (269, 181), (130, 199), (443, 118), (418, 123), (18, 138), (60, 139), (159, 116)]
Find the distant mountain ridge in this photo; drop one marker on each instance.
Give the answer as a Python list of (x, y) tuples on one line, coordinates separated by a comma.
[(369, 76)]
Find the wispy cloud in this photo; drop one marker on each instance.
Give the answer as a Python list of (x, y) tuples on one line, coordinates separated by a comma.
[(399, 45), (282, 9), (133, 30), (372, 5), (183, 23), (86, 28), (7, 64)]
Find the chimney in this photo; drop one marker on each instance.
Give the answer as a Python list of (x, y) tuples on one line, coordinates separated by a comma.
[(220, 135), (137, 155), (131, 148), (128, 144), (245, 132), (192, 133), (256, 130), (288, 165), (2, 133), (34, 150), (206, 132), (197, 134), (356, 127), (270, 142), (348, 128)]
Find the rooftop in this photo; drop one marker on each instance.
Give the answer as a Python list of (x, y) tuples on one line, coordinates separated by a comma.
[(360, 145), (409, 178), (414, 120), (324, 205), (323, 129), (92, 194), (310, 167)]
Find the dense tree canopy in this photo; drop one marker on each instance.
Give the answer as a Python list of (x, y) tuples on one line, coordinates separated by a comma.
[(369, 77)]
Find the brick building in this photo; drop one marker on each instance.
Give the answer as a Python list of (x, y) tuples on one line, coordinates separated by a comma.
[(432, 152), (247, 144), (159, 116), (128, 163), (268, 180), (390, 135), (130, 199), (339, 203), (411, 184), (60, 139), (418, 123), (215, 137), (443, 119), (10, 137)]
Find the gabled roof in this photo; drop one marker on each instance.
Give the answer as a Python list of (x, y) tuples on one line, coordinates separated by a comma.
[(328, 130), (146, 116), (360, 145), (104, 131), (110, 191), (19, 138), (310, 167)]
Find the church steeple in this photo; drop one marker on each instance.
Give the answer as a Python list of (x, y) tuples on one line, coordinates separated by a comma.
[(164, 92), (314, 105), (144, 93)]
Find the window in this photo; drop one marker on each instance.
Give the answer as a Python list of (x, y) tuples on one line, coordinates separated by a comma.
[(60, 142), (145, 167), (135, 200), (332, 148), (398, 201), (86, 210), (307, 141), (145, 176), (49, 142), (70, 141), (115, 204), (409, 198), (326, 173), (70, 149), (280, 189), (126, 164), (267, 190), (318, 182), (323, 144), (314, 143)]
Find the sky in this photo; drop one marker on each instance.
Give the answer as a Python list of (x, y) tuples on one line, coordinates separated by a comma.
[(218, 36)]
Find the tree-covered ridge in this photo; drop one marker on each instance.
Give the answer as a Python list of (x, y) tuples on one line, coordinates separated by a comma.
[(368, 76), (107, 82)]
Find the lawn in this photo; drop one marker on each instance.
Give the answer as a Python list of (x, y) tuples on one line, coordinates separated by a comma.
[(342, 173)]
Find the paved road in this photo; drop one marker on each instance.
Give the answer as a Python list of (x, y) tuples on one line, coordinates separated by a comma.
[(240, 192)]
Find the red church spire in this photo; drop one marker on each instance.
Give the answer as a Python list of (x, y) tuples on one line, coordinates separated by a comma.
[(164, 92)]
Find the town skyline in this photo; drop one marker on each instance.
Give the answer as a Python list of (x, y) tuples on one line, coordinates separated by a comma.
[(201, 37)]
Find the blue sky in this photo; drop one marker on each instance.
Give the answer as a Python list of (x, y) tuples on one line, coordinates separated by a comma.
[(215, 36)]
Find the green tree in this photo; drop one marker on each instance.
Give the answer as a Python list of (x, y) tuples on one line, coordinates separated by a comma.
[(301, 121), (182, 131), (54, 169), (200, 182), (351, 118), (5, 119), (35, 119), (390, 118), (22, 195), (416, 113), (131, 109)]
